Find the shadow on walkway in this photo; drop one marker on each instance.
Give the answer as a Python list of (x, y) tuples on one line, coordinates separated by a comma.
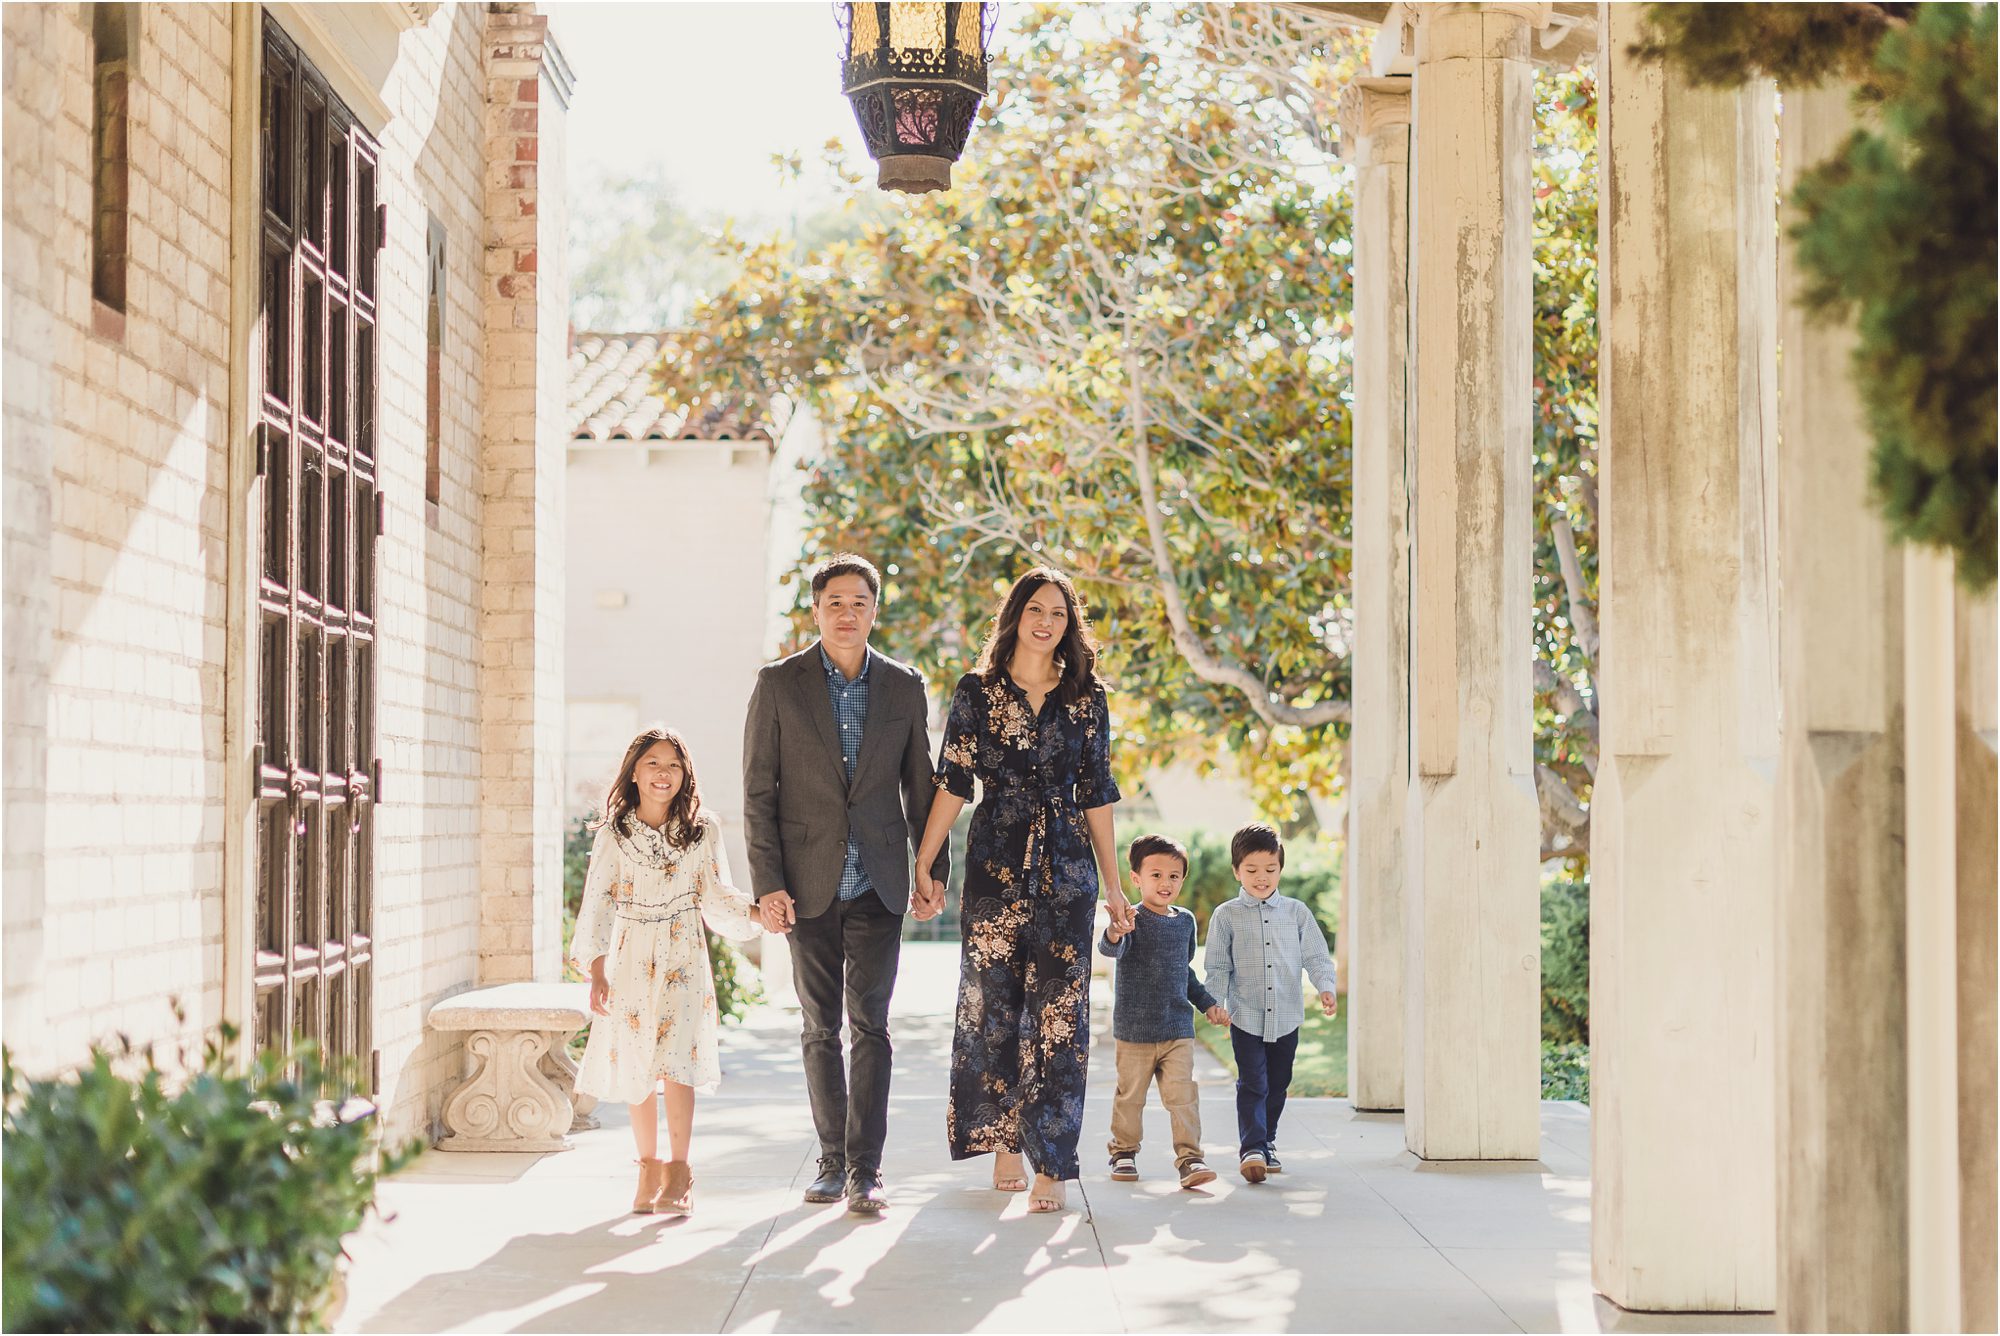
[(1356, 1235)]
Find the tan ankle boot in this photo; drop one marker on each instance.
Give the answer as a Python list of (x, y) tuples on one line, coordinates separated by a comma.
[(677, 1191), (652, 1177)]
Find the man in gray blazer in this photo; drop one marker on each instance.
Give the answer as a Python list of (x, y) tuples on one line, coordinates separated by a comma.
[(836, 789)]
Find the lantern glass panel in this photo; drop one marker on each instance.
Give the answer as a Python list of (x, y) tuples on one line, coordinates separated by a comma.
[(917, 115), (971, 31), (917, 27), (863, 30)]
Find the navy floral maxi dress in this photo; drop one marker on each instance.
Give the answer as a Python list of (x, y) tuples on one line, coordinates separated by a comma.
[(1029, 904)]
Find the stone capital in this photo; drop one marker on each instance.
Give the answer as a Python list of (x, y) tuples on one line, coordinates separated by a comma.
[(1478, 31), (1369, 105)]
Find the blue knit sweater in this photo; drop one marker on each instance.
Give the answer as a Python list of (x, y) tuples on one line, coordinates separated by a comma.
[(1156, 980)]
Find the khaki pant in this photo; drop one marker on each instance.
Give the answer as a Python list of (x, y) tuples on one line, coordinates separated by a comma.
[(1172, 1064)]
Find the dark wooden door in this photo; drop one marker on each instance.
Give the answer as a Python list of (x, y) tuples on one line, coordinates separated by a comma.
[(318, 775)]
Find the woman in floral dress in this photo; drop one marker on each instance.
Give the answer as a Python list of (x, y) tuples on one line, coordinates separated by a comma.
[(1031, 724), (658, 872)]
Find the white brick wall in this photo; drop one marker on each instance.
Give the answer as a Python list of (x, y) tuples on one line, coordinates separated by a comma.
[(427, 893), (116, 520), (117, 507)]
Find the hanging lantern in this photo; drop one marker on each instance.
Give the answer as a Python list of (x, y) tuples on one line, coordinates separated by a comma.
[(915, 73)]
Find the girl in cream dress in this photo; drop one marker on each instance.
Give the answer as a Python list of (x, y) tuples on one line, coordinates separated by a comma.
[(658, 873)]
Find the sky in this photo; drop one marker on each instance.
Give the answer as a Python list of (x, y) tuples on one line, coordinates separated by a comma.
[(707, 92)]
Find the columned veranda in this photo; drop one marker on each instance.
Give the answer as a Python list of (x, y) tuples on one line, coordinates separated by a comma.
[(1772, 907)]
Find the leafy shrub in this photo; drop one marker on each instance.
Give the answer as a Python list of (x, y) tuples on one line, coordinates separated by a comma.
[(736, 988), (1565, 960), (1566, 1072), (214, 1202)]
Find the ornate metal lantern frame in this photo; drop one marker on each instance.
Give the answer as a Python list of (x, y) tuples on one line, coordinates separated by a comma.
[(915, 72)]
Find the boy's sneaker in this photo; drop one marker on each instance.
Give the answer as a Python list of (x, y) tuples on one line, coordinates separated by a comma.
[(1253, 1166), (1271, 1165), (1125, 1169), (1196, 1172)]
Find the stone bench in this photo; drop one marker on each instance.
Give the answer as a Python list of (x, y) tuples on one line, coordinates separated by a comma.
[(520, 1091)]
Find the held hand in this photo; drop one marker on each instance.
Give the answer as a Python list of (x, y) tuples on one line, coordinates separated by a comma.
[(1121, 911), (922, 906), (600, 991), (1218, 1015), (1115, 933), (1329, 1003), (777, 912)]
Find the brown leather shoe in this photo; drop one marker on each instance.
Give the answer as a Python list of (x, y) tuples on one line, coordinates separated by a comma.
[(677, 1193), (652, 1177)]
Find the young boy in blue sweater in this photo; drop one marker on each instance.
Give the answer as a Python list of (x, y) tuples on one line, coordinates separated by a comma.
[(1150, 1018)]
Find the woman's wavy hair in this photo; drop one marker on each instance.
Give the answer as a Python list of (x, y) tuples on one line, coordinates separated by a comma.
[(1076, 655), (683, 813)]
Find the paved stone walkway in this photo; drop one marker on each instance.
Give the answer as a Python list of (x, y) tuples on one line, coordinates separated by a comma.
[(1356, 1236)]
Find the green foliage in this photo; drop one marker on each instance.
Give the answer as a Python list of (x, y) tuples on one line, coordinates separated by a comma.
[(1565, 444), (736, 985), (136, 1202), (1800, 45), (1566, 1071), (1565, 960), (1126, 248), (1896, 232), (1214, 306)]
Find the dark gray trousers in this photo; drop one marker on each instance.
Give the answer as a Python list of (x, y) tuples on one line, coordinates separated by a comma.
[(845, 959)]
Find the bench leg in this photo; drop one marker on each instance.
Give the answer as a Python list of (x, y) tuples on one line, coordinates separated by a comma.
[(508, 1103), (560, 1068)]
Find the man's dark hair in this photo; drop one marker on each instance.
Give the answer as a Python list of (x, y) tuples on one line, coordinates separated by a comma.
[(846, 563), (1147, 845), (1255, 838)]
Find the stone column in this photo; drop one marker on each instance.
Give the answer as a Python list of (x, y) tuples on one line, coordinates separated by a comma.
[(525, 452), (1472, 1073), (1978, 874), (1930, 857), (1375, 139), (1683, 847), (1843, 1153)]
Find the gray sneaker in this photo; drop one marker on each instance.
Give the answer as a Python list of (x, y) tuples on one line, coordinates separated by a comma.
[(1124, 1168), (1252, 1166), (1194, 1173)]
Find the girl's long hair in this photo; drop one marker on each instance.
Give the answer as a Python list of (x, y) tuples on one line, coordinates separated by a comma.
[(683, 813), (1076, 653)]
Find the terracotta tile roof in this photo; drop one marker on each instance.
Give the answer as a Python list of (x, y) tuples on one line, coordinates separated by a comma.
[(611, 396)]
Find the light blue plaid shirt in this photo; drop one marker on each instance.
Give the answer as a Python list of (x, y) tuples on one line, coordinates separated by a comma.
[(850, 715), (1256, 952)]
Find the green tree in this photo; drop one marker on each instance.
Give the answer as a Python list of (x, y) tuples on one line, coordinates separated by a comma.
[(643, 258), (1121, 346)]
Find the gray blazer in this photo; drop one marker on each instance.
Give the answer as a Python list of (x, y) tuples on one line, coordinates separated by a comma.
[(797, 804)]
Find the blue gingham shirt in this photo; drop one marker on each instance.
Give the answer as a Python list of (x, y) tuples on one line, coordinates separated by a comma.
[(1256, 951), (850, 715)]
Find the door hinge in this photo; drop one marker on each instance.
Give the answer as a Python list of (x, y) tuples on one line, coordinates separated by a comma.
[(381, 514), (381, 226), (375, 1071), (375, 780)]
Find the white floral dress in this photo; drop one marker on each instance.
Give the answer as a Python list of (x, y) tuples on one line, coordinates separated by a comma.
[(644, 904)]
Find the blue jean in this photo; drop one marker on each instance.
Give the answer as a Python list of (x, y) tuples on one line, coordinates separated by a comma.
[(1263, 1075)]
